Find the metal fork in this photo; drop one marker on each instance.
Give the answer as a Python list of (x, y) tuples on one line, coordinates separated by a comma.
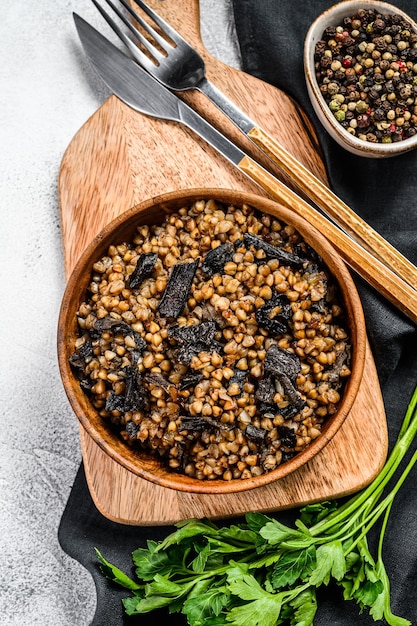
[(176, 64), (173, 61)]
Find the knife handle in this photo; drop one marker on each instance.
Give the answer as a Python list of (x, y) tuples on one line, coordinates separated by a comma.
[(396, 290), (335, 208)]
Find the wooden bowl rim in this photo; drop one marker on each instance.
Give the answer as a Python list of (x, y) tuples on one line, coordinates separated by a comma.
[(112, 444)]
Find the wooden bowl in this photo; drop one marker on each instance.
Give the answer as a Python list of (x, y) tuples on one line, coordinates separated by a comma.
[(333, 17), (121, 229)]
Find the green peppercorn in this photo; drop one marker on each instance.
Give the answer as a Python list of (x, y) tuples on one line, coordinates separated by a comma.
[(334, 105), (361, 106), (340, 116)]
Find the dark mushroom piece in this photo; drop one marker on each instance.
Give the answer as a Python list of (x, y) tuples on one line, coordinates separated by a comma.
[(275, 314), (119, 327), (239, 378), (144, 266), (190, 380), (177, 289), (287, 436), (282, 362), (334, 372), (216, 259), (201, 422), (132, 430), (256, 434), (266, 391), (273, 252), (285, 367), (115, 402), (79, 359), (194, 339), (136, 398)]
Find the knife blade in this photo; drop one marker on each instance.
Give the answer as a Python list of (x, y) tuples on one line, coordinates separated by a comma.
[(139, 90)]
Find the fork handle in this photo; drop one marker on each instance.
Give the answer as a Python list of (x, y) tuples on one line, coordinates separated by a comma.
[(329, 203), (360, 259)]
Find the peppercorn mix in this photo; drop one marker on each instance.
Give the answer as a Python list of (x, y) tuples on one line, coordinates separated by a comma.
[(366, 69)]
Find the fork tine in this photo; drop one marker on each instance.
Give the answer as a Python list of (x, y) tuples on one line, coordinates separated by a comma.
[(162, 41), (135, 50), (165, 28)]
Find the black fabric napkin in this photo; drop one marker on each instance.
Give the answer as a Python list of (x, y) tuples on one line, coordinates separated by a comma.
[(384, 192)]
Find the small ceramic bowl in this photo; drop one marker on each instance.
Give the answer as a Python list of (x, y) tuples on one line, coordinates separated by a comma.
[(333, 17), (122, 229)]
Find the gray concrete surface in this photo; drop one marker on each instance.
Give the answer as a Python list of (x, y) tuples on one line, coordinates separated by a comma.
[(47, 91)]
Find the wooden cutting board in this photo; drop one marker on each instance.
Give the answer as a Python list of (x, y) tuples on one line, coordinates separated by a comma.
[(119, 158)]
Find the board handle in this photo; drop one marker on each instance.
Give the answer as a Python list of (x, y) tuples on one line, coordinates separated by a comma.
[(376, 273)]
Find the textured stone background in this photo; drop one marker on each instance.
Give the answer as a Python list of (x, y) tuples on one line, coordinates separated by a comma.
[(47, 91)]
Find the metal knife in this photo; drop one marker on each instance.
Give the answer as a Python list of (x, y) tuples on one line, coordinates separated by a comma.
[(136, 88)]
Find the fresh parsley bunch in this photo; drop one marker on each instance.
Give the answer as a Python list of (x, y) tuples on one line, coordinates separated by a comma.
[(265, 573)]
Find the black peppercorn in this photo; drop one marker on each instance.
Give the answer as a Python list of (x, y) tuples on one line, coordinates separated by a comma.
[(412, 55), (379, 24), (379, 114), (379, 78), (329, 32), (339, 75)]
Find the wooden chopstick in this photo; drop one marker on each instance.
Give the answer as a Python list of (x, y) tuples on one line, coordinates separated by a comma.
[(374, 271), (336, 209)]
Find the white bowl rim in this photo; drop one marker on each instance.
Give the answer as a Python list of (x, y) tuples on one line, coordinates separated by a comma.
[(332, 16)]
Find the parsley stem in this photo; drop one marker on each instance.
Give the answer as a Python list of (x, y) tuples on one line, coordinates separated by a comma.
[(351, 510), (385, 505)]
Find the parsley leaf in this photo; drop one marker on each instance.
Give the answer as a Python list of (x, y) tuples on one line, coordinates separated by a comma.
[(275, 533), (200, 561), (208, 604), (313, 513), (293, 566), (137, 606), (330, 562), (149, 561), (187, 530), (115, 574), (262, 610)]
